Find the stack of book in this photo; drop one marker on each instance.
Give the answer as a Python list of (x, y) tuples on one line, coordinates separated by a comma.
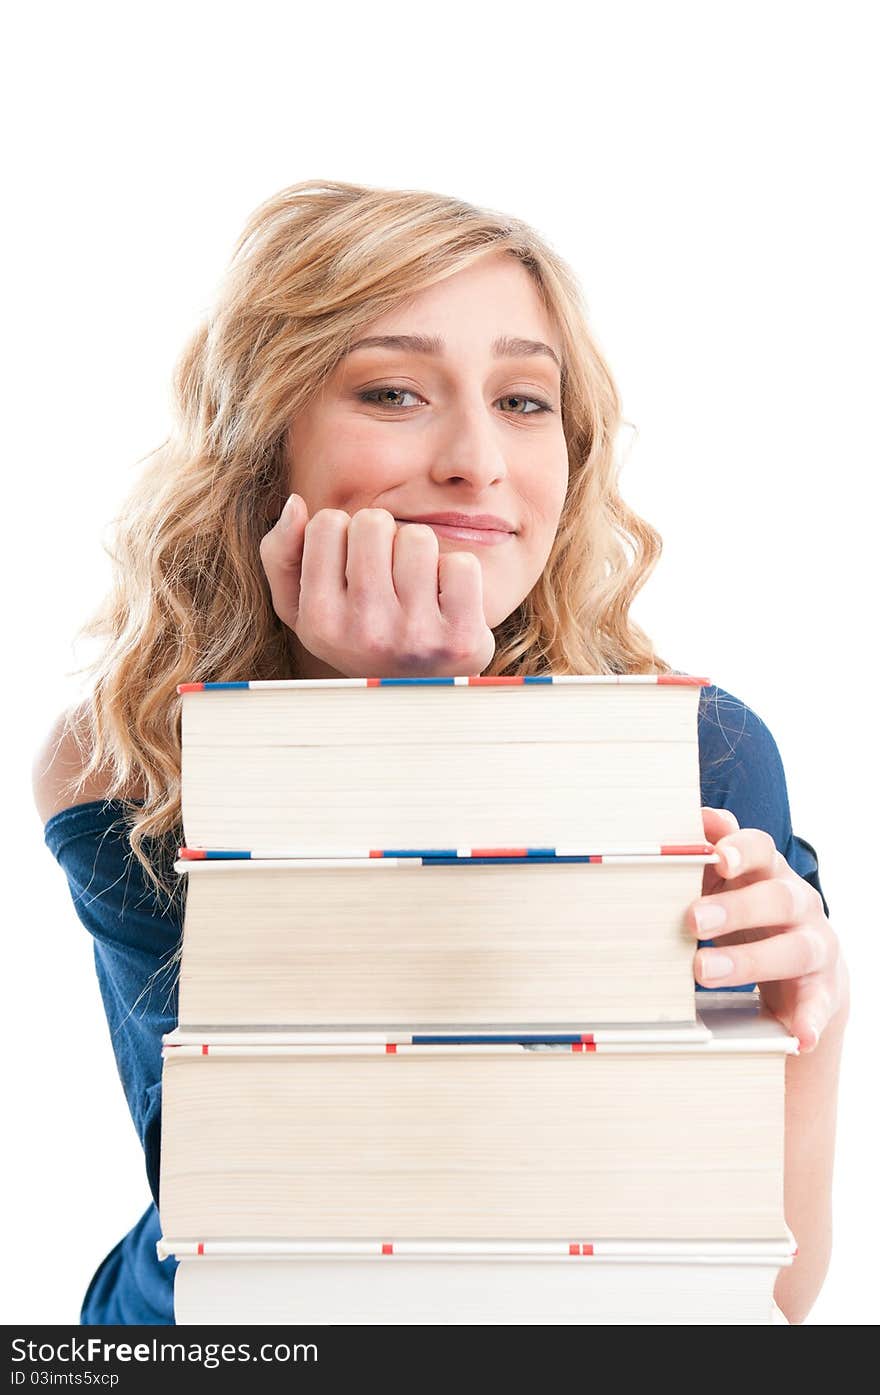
[(439, 1057)]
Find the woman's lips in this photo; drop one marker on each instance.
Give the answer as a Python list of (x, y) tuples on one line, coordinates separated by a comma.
[(488, 536)]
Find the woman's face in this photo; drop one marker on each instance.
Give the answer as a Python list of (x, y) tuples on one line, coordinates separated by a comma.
[(468, 424)]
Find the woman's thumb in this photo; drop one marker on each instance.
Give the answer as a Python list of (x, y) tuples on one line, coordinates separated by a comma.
[(281, 552), (294, 512)]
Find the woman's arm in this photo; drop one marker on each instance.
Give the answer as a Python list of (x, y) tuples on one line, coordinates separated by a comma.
[(136, 931), (810, 1122), (775, 933)]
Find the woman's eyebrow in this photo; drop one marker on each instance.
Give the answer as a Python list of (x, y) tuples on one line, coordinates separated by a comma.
[(505, 347)]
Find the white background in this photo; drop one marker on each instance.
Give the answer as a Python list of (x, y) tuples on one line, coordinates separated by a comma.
[(707, 170)]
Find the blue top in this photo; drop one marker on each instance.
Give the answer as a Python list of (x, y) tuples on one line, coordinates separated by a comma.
[(135, 933)]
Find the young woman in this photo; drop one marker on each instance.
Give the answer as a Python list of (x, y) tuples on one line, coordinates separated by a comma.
[(416, 378)]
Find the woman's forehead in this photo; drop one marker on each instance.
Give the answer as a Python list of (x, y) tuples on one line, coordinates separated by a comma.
[(495, 301)]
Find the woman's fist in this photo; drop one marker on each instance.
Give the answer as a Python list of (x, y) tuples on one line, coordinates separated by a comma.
[(375, 598)]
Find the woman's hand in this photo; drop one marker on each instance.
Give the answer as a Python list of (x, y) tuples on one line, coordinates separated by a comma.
[(375, 598), (774, 931)]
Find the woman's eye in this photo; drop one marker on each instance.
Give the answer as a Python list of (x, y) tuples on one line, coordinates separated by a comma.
[(521, 407), (537, 404), (376, 392)]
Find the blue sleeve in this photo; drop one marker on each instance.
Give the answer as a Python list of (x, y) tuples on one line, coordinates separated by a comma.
[(136, 935), (741, 770)]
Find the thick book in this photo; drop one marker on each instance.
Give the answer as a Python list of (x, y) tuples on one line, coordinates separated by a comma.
[(395, 941), (354, 767), (507, 1140), (625, 1283)]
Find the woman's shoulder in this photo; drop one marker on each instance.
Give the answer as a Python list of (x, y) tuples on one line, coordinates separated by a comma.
[(741, 767), (88, 833), (723, 717), (58, 767), (731, 732)]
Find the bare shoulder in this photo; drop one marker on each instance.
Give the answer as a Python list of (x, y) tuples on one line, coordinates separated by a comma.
[(58, 766)]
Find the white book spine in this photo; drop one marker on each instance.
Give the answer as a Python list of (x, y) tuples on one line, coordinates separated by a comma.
[(267, 1036), (630, 1251), (290, 860)]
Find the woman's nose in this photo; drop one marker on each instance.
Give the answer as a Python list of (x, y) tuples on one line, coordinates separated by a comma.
[(468, 448)]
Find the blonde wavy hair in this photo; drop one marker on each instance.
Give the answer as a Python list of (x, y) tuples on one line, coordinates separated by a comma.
[(190, 601)]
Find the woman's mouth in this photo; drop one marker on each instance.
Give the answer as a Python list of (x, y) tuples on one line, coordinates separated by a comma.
[(488, 536)]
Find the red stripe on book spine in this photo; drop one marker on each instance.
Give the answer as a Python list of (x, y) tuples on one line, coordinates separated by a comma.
[(670, 849), (479, 681), (499, 852), (682, 680), (588, 1038), (583, 1045), (586, 1249), (387, 1249), (574, 1249), (200, 1248), (391, 1048), (191, 854), (374, 682), (204, 1048), (190, 687)]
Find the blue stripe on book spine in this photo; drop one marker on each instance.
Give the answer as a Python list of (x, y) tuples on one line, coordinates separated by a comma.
[(727, 988), (499, 1038), (532, 857)]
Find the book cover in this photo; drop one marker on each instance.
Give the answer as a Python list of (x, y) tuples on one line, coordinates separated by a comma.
[(314, 767)]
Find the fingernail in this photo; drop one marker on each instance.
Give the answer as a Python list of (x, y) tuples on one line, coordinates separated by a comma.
[(714, 965), (289, 510), (733, 859), (809, 1038), (709, 917)]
